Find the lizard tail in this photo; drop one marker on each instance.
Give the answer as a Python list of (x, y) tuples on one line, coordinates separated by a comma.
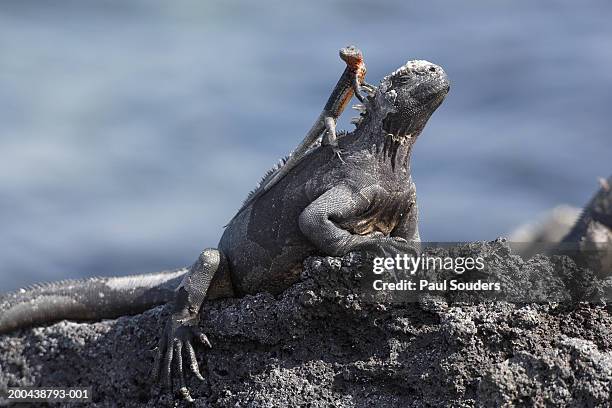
[(86, 299)]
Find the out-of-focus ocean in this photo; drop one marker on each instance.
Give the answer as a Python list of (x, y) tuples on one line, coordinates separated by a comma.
[(130, 131)]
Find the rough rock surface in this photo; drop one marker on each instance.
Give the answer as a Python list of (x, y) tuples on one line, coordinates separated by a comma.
[(327, 342)]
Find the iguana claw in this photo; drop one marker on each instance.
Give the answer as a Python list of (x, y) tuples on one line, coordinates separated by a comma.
[(389, 247), (175, 345)]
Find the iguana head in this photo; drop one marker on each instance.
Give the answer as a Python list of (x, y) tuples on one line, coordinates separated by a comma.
[(414, 92)]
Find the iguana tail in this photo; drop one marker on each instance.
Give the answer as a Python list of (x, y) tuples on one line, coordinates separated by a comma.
[(86, 299)]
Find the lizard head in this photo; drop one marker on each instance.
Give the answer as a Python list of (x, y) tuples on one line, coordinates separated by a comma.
[(412, 93), (352, 56)]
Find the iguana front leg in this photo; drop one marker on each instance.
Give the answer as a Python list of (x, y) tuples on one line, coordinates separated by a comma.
[(320, 223), (176, 343)]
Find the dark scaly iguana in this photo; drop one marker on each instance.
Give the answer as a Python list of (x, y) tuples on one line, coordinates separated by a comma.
[(595, 222), (349, 84), (592, 232), (321, 206)]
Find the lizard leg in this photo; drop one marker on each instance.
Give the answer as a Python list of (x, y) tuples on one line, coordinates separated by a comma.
[(176, 343), (357, 89), (330, 138), (370, 89)]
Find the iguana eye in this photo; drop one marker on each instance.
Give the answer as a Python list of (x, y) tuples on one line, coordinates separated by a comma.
[(402, 79)]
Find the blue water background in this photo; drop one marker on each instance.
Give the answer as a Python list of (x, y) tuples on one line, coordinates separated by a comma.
[(130, 131)]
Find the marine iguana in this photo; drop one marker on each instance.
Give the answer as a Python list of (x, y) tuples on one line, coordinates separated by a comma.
[(322, 206), (349, 84), (593, 231)]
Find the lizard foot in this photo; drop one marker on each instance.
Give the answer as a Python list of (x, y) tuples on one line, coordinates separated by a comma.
[(370, 89), (176, 345), (338, 153)]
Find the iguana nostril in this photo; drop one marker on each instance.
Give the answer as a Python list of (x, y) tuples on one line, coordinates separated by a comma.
[(432, 69)]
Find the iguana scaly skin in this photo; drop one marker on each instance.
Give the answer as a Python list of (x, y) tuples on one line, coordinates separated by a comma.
[(593, 231), (321, 206)]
